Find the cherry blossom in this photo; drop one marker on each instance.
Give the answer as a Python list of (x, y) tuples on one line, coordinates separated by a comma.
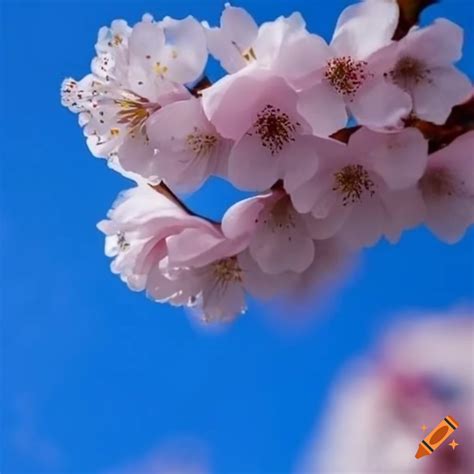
[(239, 43), (207, 270), (448, 189), (188, 147), (277, 234), (136, 231), (421, 64), (347, 81), (272, 139), (136, 72), (366, 189), (216, 290)]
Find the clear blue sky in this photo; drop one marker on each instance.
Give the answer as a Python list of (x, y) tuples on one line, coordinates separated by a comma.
[(93, 375)]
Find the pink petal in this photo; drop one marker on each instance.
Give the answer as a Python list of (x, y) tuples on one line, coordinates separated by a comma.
[(195, 247), (449, 217), (283, 248), (299, 161), (458, 158), (239, 26), (312, 48), (365, 223), (136, 156), (241, 217), (434, 99), (187, 49), (399, 158), (380, 104), (439, 44), (260, 284), (251, 166), (323, 109), (329, 226), (365, 27)]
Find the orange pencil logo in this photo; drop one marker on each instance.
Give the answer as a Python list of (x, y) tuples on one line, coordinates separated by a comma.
[(437, 437)]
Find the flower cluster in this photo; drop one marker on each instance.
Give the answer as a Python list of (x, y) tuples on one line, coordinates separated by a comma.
[(272, 125)]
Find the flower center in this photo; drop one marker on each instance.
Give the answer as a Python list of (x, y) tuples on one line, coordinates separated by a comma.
[(160, 69), (227, 270), (201, 144), (275, 128), (345, 74), (134, 112), (408, 72), (438, 182), (352, 182), (116, 40)]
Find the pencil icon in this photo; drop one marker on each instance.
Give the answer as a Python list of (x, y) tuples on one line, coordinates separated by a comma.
[(437, 437)]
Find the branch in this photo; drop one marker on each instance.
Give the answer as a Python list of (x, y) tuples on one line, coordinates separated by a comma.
[(410, 11)]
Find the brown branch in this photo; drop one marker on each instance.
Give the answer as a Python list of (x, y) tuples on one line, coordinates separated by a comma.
[(202, 84), (460, 121), (344, 134), (410, 11), (164, 190)]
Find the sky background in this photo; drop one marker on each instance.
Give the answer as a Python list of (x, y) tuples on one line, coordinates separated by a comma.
[(95, 377)]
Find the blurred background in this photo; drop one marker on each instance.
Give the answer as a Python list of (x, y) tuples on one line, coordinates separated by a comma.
[(97, 379)]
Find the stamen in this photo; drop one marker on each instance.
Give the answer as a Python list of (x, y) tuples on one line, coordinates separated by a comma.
[(227, 271), (134, 112), (122, 243), (201, 144), (345, 74), (160, 69), (249, 54), (408, 72), (275, 128), (352, 182)]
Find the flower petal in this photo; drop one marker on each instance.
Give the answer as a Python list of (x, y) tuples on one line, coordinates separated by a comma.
[(323, 108), (439, 44), (365, 27), (282, 248), (434, 99), (399, 158), (251, 166), (380, 104)]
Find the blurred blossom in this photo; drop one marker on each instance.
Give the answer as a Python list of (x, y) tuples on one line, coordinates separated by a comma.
[(422, 372)]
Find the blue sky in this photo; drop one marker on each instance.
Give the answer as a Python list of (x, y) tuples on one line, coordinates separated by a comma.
[(95, 376)]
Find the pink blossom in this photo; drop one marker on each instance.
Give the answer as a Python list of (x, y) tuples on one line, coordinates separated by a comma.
[(136, 231), (239, 43), (207, 271), (271, 137), (346, 80), (447, 188), (277, 235), (188, 147), (421, 64), (136, 71), (365, 189)]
